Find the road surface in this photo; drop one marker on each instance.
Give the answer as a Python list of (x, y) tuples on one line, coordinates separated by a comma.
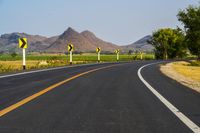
[(100, 98)]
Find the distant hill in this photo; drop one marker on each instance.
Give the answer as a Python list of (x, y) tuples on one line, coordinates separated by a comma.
[(85, 41), (142, 44), (9, 42), (98, 42)]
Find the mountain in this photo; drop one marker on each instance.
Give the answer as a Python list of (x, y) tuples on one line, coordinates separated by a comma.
[(9, 42), (70, 36), (141, 44), (107, 46), (85, 41), (42, 45)]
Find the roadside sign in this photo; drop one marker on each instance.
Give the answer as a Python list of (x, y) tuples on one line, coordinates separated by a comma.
[(23, 43), (98, 49), (141, 55), (70, 47), (117, 51)]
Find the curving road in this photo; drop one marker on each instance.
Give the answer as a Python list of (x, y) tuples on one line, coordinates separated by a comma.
[(99, 98)]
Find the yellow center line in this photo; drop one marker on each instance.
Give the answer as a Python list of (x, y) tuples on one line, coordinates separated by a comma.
[(30, 98)]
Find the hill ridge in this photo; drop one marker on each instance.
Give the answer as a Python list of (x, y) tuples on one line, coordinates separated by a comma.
[(85, 41)]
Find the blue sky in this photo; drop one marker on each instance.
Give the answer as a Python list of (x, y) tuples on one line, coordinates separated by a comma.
[(118, 21)]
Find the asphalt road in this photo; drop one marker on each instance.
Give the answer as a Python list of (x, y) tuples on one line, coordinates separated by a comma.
[(109, 100)]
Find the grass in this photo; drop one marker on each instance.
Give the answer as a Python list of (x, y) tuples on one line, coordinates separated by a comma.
[(190, 70), (13, 64), (184, 73), (194, 63), (32, 57), (91, 57)]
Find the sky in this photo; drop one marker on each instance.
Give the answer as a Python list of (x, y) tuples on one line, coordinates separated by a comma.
[(118, 21)]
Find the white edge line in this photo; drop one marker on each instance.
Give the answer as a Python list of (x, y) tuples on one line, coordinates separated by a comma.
[(194, 127), (48, 69)]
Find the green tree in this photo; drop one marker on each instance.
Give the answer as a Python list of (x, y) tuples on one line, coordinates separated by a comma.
[(190, 17), (168, 43), (13, 54), (130, 52), (178, 49)]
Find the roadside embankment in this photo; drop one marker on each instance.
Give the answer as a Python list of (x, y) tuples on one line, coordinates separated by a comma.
[(185, 73)]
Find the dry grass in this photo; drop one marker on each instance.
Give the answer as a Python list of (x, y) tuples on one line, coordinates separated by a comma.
[(184, 73), (186, 70), (13, 66)]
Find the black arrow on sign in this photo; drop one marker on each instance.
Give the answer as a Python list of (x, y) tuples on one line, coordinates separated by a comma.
[(23, 43), (70, 47)]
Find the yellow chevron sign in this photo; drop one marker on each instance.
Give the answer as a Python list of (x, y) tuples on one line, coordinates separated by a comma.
[(117, 51), (23, 43), (70, 47), (98, 49)]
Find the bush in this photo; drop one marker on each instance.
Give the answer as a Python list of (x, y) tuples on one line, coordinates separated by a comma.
[(14, 54), (195, 63)]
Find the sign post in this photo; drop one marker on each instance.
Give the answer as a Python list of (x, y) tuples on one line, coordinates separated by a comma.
[(141, 55), (24, 59), (70, 57), (98, 50), (70, 49), (117, 52), (23, 44)]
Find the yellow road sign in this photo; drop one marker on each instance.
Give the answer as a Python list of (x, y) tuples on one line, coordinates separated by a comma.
[(23, 43), (117, 51), (70, 47), (98, 49)]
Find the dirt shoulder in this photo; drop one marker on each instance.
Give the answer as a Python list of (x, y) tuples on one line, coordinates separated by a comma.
[(184, 73)]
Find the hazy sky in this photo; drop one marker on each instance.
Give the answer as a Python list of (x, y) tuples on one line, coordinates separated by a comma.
[(117, 21)]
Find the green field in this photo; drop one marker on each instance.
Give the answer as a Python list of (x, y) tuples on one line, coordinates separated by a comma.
[(9, 63), (87, 58)]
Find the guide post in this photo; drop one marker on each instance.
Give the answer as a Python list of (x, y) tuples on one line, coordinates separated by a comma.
[(70, 49), (23, 44)]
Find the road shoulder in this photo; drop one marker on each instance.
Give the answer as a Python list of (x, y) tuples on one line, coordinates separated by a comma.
[(182, 73)]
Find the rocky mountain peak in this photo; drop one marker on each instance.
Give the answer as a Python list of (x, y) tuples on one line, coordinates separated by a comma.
[(69, 32)]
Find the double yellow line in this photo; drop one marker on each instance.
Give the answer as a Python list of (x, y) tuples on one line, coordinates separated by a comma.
[(30, 98)]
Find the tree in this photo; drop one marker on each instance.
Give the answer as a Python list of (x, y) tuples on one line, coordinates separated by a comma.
[(190, 18), (13, 54), (130, 52), (178, 49), (168, 43)]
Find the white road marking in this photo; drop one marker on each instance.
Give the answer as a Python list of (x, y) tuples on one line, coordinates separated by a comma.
[(43, 70), (194, 127)]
